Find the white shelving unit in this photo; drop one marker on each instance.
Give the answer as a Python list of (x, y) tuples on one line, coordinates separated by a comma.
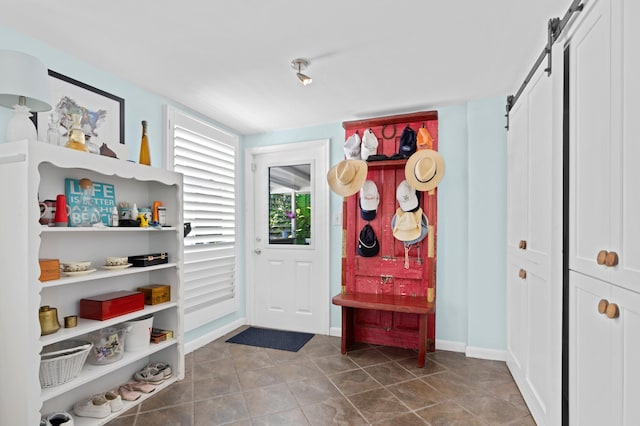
[(36, 171)]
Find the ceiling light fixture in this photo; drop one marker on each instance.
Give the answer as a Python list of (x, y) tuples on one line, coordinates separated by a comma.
[(300, 64)]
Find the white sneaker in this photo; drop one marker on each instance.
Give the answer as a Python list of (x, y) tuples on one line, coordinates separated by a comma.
[(96, 406), (115, 400)]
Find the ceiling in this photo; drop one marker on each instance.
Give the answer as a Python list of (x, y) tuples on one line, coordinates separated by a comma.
[(231, 60)]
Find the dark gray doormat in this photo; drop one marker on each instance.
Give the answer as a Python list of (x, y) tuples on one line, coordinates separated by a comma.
[(275, 339)]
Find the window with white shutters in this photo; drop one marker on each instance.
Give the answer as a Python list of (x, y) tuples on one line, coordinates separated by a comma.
[(206, 155)]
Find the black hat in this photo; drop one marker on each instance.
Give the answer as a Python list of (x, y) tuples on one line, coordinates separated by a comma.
[(368, 243), (407, 143)]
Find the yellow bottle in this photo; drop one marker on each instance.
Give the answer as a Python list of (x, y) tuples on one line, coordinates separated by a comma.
[(145, 158)]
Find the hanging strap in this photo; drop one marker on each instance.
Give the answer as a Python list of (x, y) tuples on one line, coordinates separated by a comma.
[(406, 256)]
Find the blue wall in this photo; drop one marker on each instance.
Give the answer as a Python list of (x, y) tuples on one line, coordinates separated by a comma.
[(487, 219), (471, 207), (471, 218)]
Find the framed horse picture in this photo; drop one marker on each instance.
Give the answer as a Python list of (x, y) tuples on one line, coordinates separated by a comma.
[(102, 113)]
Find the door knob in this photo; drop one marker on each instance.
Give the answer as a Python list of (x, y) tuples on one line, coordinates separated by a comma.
[(613, 311), (602, 306), (523, 244), (602, 256), (522, 274), (611, 259), (257, 251)]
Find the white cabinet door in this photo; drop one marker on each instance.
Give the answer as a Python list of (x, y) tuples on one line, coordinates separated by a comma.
[(626, 224), (534, 277), (591, 348), (604, 109), (604, 376), (590, 140), (517, 320), (625, 363), (517, 175)]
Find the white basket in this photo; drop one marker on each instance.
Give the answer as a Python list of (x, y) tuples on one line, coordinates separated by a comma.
[(66, 365)]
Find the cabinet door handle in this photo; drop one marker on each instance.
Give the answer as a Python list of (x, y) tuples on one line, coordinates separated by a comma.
[(602, 306), (523, 244), (611, 259), (602, 256), (613, 311), (522, 274)]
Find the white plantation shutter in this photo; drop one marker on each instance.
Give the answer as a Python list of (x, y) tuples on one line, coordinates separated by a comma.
[(206, 156)]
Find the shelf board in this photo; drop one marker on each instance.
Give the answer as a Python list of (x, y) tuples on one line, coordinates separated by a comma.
[(86, 325), (127, 405), (103, 273), (387, 164), (93, 372), (48, 229)]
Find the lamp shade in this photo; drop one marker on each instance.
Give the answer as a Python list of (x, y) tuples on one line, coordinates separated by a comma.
[(23, 75)]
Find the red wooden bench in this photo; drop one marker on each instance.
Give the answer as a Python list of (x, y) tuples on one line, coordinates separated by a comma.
[(384, 302)]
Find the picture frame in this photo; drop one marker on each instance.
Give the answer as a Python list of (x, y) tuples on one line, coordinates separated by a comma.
[(103, 112)]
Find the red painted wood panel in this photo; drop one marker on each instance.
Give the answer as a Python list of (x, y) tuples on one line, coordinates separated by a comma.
[(385, 273)]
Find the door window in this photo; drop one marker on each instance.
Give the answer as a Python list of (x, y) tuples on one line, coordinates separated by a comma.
[(290, 204)]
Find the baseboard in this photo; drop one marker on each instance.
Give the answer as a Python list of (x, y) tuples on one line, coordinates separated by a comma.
[(484, 353), (207, 338), (335, 331), (449, 345)]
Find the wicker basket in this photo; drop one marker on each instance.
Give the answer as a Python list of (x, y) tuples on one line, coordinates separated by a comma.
[(62, 362)]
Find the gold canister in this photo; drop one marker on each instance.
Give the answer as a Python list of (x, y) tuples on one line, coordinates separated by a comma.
[(70, 321), (48, 320)]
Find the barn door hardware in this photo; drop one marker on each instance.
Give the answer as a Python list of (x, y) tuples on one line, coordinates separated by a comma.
[(554, 29)]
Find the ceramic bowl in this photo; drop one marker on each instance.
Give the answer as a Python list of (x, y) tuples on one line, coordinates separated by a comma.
[(76, 266), (116, 261)]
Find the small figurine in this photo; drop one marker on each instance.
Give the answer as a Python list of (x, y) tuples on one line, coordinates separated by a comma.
[(142, 220)]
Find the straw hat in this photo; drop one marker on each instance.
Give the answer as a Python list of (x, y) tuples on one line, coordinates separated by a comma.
[(347, 177), (409, 227), (424, 169)]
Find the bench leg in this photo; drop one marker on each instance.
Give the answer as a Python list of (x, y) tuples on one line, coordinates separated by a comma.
[(422, 340), (347, 329)]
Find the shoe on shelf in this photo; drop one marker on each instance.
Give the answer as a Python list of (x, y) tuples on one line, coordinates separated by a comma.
[(96, 406), (127, 393), (150, 375), (143, 387), (162, 367), (115, 400), (59, 418)]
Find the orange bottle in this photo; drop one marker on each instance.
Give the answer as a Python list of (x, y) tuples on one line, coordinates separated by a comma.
[(145, 157)]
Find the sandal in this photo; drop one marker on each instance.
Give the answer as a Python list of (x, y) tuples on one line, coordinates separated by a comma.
[(128, 393), (139, 386)]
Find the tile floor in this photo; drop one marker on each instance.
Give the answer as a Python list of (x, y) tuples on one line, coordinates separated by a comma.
[(231, 384)]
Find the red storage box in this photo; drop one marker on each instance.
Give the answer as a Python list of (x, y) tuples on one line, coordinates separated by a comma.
[(110, 305)]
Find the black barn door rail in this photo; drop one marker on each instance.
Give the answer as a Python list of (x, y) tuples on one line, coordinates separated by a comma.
[(554, 29)]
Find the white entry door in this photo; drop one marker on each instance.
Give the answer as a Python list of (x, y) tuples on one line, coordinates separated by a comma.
[(287, 249)]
